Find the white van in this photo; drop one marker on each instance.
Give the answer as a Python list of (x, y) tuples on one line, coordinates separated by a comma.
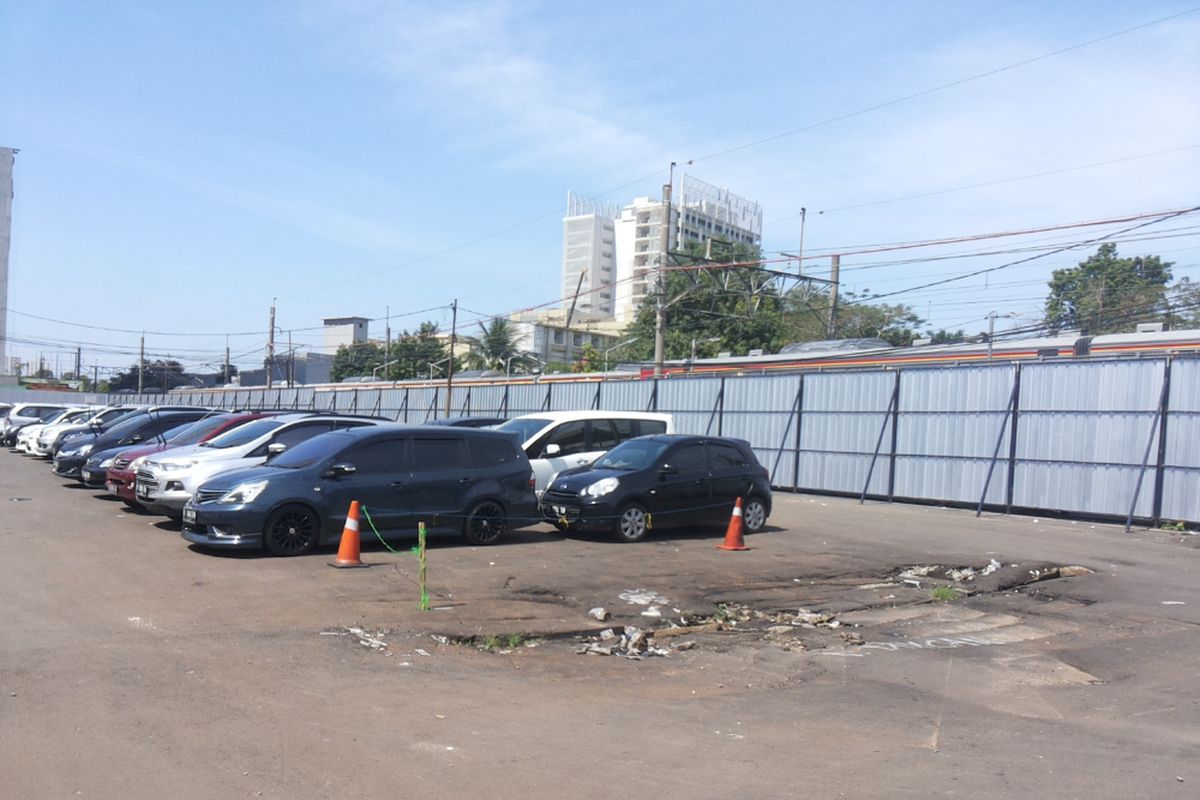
[(558, 440)]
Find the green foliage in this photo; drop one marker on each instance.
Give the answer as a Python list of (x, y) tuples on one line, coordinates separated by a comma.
[(946, 337), (590, 359), (1107, 294), (497, 349), (411, 354), (158, 374), (736, 309), (945, 594), (355, 360)]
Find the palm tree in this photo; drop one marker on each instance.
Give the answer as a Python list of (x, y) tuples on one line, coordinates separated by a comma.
[(497, 348)]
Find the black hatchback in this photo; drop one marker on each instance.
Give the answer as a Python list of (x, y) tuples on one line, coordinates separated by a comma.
[(463, 480), (663, 481)]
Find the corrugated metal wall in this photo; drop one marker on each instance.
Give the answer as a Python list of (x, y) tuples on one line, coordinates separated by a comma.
[(1056, 436)]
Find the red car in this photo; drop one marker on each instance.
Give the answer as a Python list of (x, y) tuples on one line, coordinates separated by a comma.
[(122, 475)]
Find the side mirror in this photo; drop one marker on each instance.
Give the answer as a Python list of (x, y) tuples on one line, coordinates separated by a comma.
[(552, 450), (337, 470), (275, 448), (137, 437)]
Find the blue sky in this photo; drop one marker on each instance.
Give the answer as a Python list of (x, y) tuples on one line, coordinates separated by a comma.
[(181, 164)]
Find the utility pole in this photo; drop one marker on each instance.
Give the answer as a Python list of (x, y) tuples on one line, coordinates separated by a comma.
[(95, 376), (660, 309), (226, 380), (291, 361), (78, 361), (142, 365), (836, 266), (271, 346), (450, 362), (800, 254), (387, 328), (571, 314)]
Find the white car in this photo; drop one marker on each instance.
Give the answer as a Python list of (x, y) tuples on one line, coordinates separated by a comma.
[(25, 414), (558, 440), (166, 481), (29, 436), (52, 435)]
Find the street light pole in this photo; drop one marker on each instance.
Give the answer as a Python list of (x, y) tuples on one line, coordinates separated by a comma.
[(617, 346)]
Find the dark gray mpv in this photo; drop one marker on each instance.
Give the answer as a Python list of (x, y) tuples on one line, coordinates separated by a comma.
[(475, 482)]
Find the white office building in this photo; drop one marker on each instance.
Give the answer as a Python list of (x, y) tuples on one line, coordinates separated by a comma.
[(699, 212), (589, 252)]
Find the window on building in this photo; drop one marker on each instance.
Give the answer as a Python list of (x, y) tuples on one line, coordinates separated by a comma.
[(577, 339), (558, 337)]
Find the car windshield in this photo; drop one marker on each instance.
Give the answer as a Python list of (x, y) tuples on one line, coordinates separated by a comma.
[(61, 416), (632, 455), (112, 416), (524, 428), (311, 451), (197, 431), (126, 427), (243, 434)]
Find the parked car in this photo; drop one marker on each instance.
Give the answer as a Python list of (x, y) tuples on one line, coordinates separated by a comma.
[(468, 422), (663, 481), (559, 440), (24, 414), (122, 473), (27, 436), (134, 429), (76, 435), (465, 480), (166, 482)]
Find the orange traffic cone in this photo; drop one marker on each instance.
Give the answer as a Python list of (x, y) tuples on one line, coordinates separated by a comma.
[(348, 549), (733, 534)]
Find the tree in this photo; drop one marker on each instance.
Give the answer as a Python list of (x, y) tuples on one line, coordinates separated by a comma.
[(158, 374), (412, 354), (356, 359), (497, 348), (1106, 293), (589, 360), (946, 337), (808, 317), (737, 309)]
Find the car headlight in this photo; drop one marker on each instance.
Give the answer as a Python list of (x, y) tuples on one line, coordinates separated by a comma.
[(172, 466), (243, 493), (601, 487), (86, 449), (137, 462), (106, 463)]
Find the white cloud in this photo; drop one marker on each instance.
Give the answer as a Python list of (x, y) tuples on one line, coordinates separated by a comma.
[(477, 70)]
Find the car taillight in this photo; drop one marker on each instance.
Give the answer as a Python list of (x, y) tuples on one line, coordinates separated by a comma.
[(532, 482)]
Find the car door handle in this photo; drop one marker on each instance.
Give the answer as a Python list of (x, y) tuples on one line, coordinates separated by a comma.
[(583, 461), (465, 481), (397, 484)]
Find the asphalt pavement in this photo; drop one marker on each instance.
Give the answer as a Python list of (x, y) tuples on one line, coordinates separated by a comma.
[(1064, 664)]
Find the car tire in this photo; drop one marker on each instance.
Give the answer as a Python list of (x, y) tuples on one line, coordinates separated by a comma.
[(630, 524), (486, 523), (291, 531), (754, 515)]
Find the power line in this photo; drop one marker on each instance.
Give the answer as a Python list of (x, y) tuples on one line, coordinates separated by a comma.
[(1065, 248), (950, 85), (997, 182)]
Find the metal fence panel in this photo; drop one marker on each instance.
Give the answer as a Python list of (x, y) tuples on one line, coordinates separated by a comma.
[(690, 402), (1082, 433), (572, 396), (626, 395), (841, 423)]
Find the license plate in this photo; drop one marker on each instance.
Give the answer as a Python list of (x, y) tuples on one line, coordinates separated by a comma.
[(143, 490), (112, 487), (87, 475), (189, 516)]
